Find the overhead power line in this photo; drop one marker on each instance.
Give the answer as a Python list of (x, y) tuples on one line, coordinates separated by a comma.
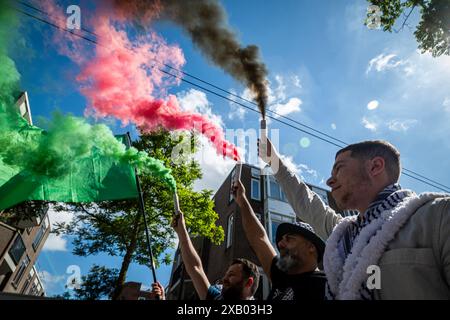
[(329, 139)]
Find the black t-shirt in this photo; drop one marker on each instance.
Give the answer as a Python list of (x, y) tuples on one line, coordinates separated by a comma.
[(304, 286)]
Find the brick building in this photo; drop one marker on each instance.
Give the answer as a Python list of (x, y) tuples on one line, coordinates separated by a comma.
[(23, 231)]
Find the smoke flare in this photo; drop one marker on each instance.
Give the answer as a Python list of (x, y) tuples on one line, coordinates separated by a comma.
[(205, 21), (122, 79), (49, 155)]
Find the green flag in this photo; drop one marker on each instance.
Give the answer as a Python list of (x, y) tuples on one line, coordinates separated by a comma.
[(89, 179), (72, 160)]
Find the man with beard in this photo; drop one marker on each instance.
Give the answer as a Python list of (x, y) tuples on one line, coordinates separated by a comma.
[(396, 248), (239, 283), (294, 274)]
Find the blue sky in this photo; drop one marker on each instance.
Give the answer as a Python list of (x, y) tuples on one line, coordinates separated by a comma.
[(326, 70)]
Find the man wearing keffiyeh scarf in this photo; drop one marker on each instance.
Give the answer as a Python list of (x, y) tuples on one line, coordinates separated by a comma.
[(386, 200), (406, 235)]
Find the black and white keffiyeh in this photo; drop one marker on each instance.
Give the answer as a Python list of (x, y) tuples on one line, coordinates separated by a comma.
[(359, 241)]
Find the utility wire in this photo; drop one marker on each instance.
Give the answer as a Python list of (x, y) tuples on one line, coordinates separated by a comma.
[(405, 171), (48, 15), (198, 79)]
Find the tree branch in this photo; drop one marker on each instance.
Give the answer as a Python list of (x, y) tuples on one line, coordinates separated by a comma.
[(406, 19), (105, 221)]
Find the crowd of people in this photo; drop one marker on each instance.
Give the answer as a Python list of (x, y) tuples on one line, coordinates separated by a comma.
[(403, 235)]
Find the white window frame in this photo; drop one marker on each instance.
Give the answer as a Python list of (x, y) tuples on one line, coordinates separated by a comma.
[(230, 229), (256, 173), (259, 189), (21, 268), (233, 172), (278, 197)]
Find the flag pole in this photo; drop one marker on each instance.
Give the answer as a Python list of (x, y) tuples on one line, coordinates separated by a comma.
[(142, 209)]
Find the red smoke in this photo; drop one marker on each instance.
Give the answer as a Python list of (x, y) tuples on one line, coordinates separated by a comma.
[(123, 79)]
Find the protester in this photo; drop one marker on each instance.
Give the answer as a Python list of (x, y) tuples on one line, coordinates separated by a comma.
[(294, 274), (240, 281), (405, 235)]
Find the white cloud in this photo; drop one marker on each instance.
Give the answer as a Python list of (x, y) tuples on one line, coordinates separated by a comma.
[(372, 105), (409, 70), (280, 98), (301, 170), (196, 101), (215, 168), (280, 91), (429, 87), (305, 169), (333, 126), (238, 111), (52, 282), (54, 242), (277, 97), (429, 72), (371, 125), (296, 81), (384, 62), (293, 105), (401, 125), (193, 100)]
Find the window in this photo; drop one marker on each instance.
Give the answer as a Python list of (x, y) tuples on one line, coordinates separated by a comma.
[(275, 190), (230, 228), (231, 183), (256, 190), (28, 281), (256, 173), (35, 288), (22, 267), (17, 249), (40, 234)]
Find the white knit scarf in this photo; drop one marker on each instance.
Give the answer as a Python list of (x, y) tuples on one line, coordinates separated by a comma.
[(345, 278)]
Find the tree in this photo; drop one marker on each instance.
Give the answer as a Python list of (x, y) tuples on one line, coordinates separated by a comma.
[(98, 284), (432, 32), (117, 227)]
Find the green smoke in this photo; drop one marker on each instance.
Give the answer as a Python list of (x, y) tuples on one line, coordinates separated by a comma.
[(49, 154), (9, 79)]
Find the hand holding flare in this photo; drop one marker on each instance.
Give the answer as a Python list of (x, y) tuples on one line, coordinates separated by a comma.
[(177, 212)]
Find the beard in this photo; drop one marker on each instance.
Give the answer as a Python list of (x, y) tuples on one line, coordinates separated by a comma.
[(287, 261), (351, 198), (233, 292)]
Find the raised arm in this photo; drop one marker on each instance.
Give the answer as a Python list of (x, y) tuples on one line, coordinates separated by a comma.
[(307, 205), (191, 260), (254, 230)]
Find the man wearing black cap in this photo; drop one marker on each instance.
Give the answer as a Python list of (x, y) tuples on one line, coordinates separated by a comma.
[(294, 274)]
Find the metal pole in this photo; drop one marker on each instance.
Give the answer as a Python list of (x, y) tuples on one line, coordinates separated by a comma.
[(142, 209), (141, 205)]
